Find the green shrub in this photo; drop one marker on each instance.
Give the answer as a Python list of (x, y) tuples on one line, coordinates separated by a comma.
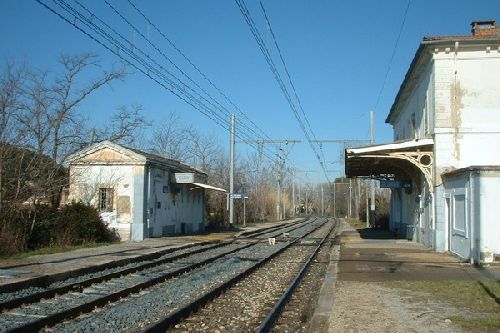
[(39, 224), (12, 235), (29, 228), (78, 224)]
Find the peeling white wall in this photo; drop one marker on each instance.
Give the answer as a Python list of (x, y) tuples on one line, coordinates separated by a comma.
[(467, 108), (86, 180)]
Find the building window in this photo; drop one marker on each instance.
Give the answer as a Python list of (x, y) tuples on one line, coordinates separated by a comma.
[(106, 199), (459, 215)]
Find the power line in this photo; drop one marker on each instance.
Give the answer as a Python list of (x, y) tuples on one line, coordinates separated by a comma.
[(145, 64), (392, 54), (197, 68), (285, 67), (265, 51), (174, 87), (135, 29)]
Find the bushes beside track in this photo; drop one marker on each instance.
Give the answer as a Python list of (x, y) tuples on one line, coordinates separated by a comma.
[(39, 226)]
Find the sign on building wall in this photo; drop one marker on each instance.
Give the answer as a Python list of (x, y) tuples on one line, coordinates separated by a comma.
[(188, 178), (395, 184)]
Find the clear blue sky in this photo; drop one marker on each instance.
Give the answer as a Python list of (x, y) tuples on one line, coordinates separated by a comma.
[(337, 53)]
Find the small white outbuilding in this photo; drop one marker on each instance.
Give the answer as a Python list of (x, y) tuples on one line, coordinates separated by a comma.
[(138, 194)]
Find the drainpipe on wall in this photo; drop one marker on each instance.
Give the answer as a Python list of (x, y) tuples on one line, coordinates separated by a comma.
[(148, 197), (433, 217), (472, 219)]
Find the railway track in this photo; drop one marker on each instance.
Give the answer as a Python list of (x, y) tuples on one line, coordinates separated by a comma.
[(254, 301), (87, 295)]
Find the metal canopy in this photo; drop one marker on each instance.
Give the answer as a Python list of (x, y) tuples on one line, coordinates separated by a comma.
[(404, 160), (209, 187)]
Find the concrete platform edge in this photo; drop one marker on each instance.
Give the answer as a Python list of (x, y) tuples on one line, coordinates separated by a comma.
[(324, 308)]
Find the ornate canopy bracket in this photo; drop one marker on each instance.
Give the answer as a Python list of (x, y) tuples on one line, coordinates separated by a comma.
[(422, 160)]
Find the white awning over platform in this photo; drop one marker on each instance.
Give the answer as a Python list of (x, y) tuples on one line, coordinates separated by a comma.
[(403, 159), (209, 187)]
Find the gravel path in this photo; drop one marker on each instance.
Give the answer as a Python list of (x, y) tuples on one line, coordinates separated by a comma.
[(371, 307)]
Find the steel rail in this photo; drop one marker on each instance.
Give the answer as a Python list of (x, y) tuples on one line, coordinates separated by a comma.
[(289, 227), (52, 319), (261, 231), (46, 280), (78, 286), (175, 317), (267, 324)]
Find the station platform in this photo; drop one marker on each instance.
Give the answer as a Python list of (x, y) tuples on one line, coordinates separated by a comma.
[(362, 257)]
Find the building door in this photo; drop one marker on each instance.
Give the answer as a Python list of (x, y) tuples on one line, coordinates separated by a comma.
[(459, 225)]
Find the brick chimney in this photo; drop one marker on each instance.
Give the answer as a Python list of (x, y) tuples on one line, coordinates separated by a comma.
[(484, 29)]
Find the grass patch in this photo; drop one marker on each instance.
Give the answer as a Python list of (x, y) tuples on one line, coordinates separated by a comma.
[(468, 295), (52, 250)]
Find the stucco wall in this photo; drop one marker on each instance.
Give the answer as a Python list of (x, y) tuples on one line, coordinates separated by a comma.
[(459, 90), (467, 108), (86, 180), (173, 208), (416, 108), (482, 189), (487, 201)]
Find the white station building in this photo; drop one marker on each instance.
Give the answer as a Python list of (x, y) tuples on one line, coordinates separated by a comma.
[(446, 120), (139, 194)]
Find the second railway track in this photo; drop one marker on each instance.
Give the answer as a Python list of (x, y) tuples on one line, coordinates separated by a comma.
[(255, 302), (166, 281)]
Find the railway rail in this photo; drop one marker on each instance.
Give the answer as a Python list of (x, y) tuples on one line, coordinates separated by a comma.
[(255, 301), (89, 295)]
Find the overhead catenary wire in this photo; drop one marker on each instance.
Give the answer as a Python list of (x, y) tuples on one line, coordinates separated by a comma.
[(155, 27), (286, 68), (290, 81), (265, 51), (243, 132), (210, 100), (125, 50), (129, 51), (244, 10), (393, 53)]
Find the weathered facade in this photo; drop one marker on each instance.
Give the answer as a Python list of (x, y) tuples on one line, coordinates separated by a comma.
[(446, 120), (139, 194)]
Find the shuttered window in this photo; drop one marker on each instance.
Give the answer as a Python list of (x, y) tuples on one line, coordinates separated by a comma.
[(105, 199)]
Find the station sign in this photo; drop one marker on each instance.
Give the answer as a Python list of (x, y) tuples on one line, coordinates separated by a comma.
[(385, 183), (238, 196), (187, 178)]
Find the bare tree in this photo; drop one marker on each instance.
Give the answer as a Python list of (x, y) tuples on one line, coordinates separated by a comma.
[(11, 80), (67, 95), (124, 125), (171, 139), (204, 149), (51, 104)]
